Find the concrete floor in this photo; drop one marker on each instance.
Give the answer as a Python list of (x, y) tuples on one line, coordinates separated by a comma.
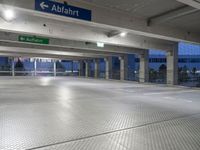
[(86, 114)]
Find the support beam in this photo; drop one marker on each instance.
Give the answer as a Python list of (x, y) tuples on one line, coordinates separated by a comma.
[(172, 66), (87, 68), (170, 15), (39, 55), (54, 68), (11, 39), (193, 3), (72, 68), (108, 67), (144, 67), (96, 68), (81, 68), (35, 67), (123, 67), (35, 51), (13, 66)]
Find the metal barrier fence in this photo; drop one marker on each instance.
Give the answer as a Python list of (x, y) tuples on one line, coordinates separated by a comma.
[(158, 77), (115, 74), (5, 70), (189, 79), (184, 79), (5, 73), (132, 75), (102, 74), (38, 73)]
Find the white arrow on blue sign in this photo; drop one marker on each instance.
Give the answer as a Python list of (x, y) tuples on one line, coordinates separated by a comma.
[(63, 9), (43, 5)]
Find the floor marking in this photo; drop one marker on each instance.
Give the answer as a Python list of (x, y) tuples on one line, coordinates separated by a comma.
[(188, 101), (172, 92), (171, 98)]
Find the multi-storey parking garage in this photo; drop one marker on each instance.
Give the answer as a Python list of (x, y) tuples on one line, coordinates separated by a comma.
[(66, 99)]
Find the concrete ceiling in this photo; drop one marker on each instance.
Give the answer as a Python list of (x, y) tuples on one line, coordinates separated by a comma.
[(150, 8), (150, 24), (28, 23), (189, 22), (130, 15), (142, 8)]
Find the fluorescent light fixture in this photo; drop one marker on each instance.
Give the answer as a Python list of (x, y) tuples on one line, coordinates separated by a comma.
[(116, 33), (100, 44), (8, 14), (123, 34)]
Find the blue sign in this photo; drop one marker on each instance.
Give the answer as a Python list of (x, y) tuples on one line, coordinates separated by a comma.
[(63, 9)]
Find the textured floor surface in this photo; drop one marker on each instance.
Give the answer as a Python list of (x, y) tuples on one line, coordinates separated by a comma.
[(85, 114)]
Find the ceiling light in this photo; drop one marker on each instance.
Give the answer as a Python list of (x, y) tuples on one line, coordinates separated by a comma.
[(8, 14), (100, 44), (123, 34)]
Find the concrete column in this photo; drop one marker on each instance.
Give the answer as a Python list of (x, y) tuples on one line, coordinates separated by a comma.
[(13, 66), (144, 67), (81, 69), (35, 67), (87, 69), (96, 68), (123, 67), (54, 68), (72, 68), (172, 66), (108, 68)]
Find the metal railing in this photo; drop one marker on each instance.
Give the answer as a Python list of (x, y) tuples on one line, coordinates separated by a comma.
[(67, 73), (5, 73), (189, 79), (132, 75), (158, 77)]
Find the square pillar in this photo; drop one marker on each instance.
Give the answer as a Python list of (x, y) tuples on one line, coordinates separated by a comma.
[(144, 67), (172, 66), (87, 69), (96, 68), (72, 68), (108, 67), (54, 68), (123, 67), (81, 68), (35, 67), (13, 66)]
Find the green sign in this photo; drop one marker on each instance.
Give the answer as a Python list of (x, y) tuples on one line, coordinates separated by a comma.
[(33, 39)]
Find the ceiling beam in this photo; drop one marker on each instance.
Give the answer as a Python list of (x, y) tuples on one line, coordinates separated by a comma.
[(170, 15), (193, 3), (59, 57), (59, 49), (48, 52), (71, 44)]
